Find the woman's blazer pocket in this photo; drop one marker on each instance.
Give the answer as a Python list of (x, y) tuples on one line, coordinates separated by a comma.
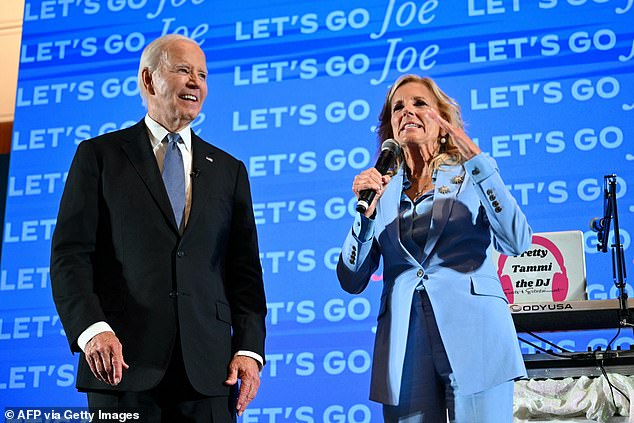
[(487, 286)]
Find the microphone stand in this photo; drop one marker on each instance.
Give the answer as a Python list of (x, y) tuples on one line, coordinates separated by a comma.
[(619, 276)]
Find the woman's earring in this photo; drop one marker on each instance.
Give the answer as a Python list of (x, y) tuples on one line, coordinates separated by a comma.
[(443, 139)]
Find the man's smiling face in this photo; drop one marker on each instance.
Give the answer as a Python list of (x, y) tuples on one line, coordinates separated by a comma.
[(178, 88)]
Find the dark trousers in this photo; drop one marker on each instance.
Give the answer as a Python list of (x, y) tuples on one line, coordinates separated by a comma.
[(426, 393), (174, 399)]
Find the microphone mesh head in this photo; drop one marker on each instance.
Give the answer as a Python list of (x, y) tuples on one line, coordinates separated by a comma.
[(392, 146)]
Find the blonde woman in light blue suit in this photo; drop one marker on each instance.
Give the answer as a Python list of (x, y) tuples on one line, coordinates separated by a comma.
[(445, 341)]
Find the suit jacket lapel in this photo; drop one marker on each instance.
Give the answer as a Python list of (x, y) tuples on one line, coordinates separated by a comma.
[(139, 151), (447, 185), (204, 172), (389, 205)]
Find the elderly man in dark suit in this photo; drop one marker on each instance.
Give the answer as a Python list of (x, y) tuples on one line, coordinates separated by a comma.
[(155, 266)]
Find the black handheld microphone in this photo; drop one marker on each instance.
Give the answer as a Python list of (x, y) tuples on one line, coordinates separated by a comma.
[(390, 150)]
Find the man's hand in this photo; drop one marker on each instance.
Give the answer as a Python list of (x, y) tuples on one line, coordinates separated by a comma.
[(247, 370), (104, 355)]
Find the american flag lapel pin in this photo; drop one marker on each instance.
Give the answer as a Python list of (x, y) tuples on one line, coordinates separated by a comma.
[(209, 158)]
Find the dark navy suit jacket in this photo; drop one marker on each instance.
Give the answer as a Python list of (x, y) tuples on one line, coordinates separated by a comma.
[(117, 256)]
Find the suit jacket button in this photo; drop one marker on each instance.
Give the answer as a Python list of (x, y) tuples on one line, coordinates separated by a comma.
[(420, 273), (498, 209), (173, 294), (489, 191), (180, 253), (475, 171), (495, 204)]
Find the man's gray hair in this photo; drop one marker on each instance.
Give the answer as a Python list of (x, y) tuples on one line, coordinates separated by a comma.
[(154, 54)]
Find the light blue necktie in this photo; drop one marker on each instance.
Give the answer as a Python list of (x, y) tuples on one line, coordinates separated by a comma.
[(174, 176)]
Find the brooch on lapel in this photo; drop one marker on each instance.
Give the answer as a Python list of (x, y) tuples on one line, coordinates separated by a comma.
[(457, 179), (444, 189)]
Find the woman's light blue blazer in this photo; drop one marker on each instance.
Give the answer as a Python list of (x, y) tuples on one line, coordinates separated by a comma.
[(473, 212)]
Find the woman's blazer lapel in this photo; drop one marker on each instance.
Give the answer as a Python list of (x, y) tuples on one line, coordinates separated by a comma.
[(389, 206), (448, 181)]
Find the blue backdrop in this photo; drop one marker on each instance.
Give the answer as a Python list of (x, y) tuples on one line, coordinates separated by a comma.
[(295, 88)]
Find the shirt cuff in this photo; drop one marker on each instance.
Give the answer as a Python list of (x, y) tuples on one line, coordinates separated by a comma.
[(91, 331), (255, 356)]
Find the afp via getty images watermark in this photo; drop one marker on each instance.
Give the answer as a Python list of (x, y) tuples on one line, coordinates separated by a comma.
[(68, 415)]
